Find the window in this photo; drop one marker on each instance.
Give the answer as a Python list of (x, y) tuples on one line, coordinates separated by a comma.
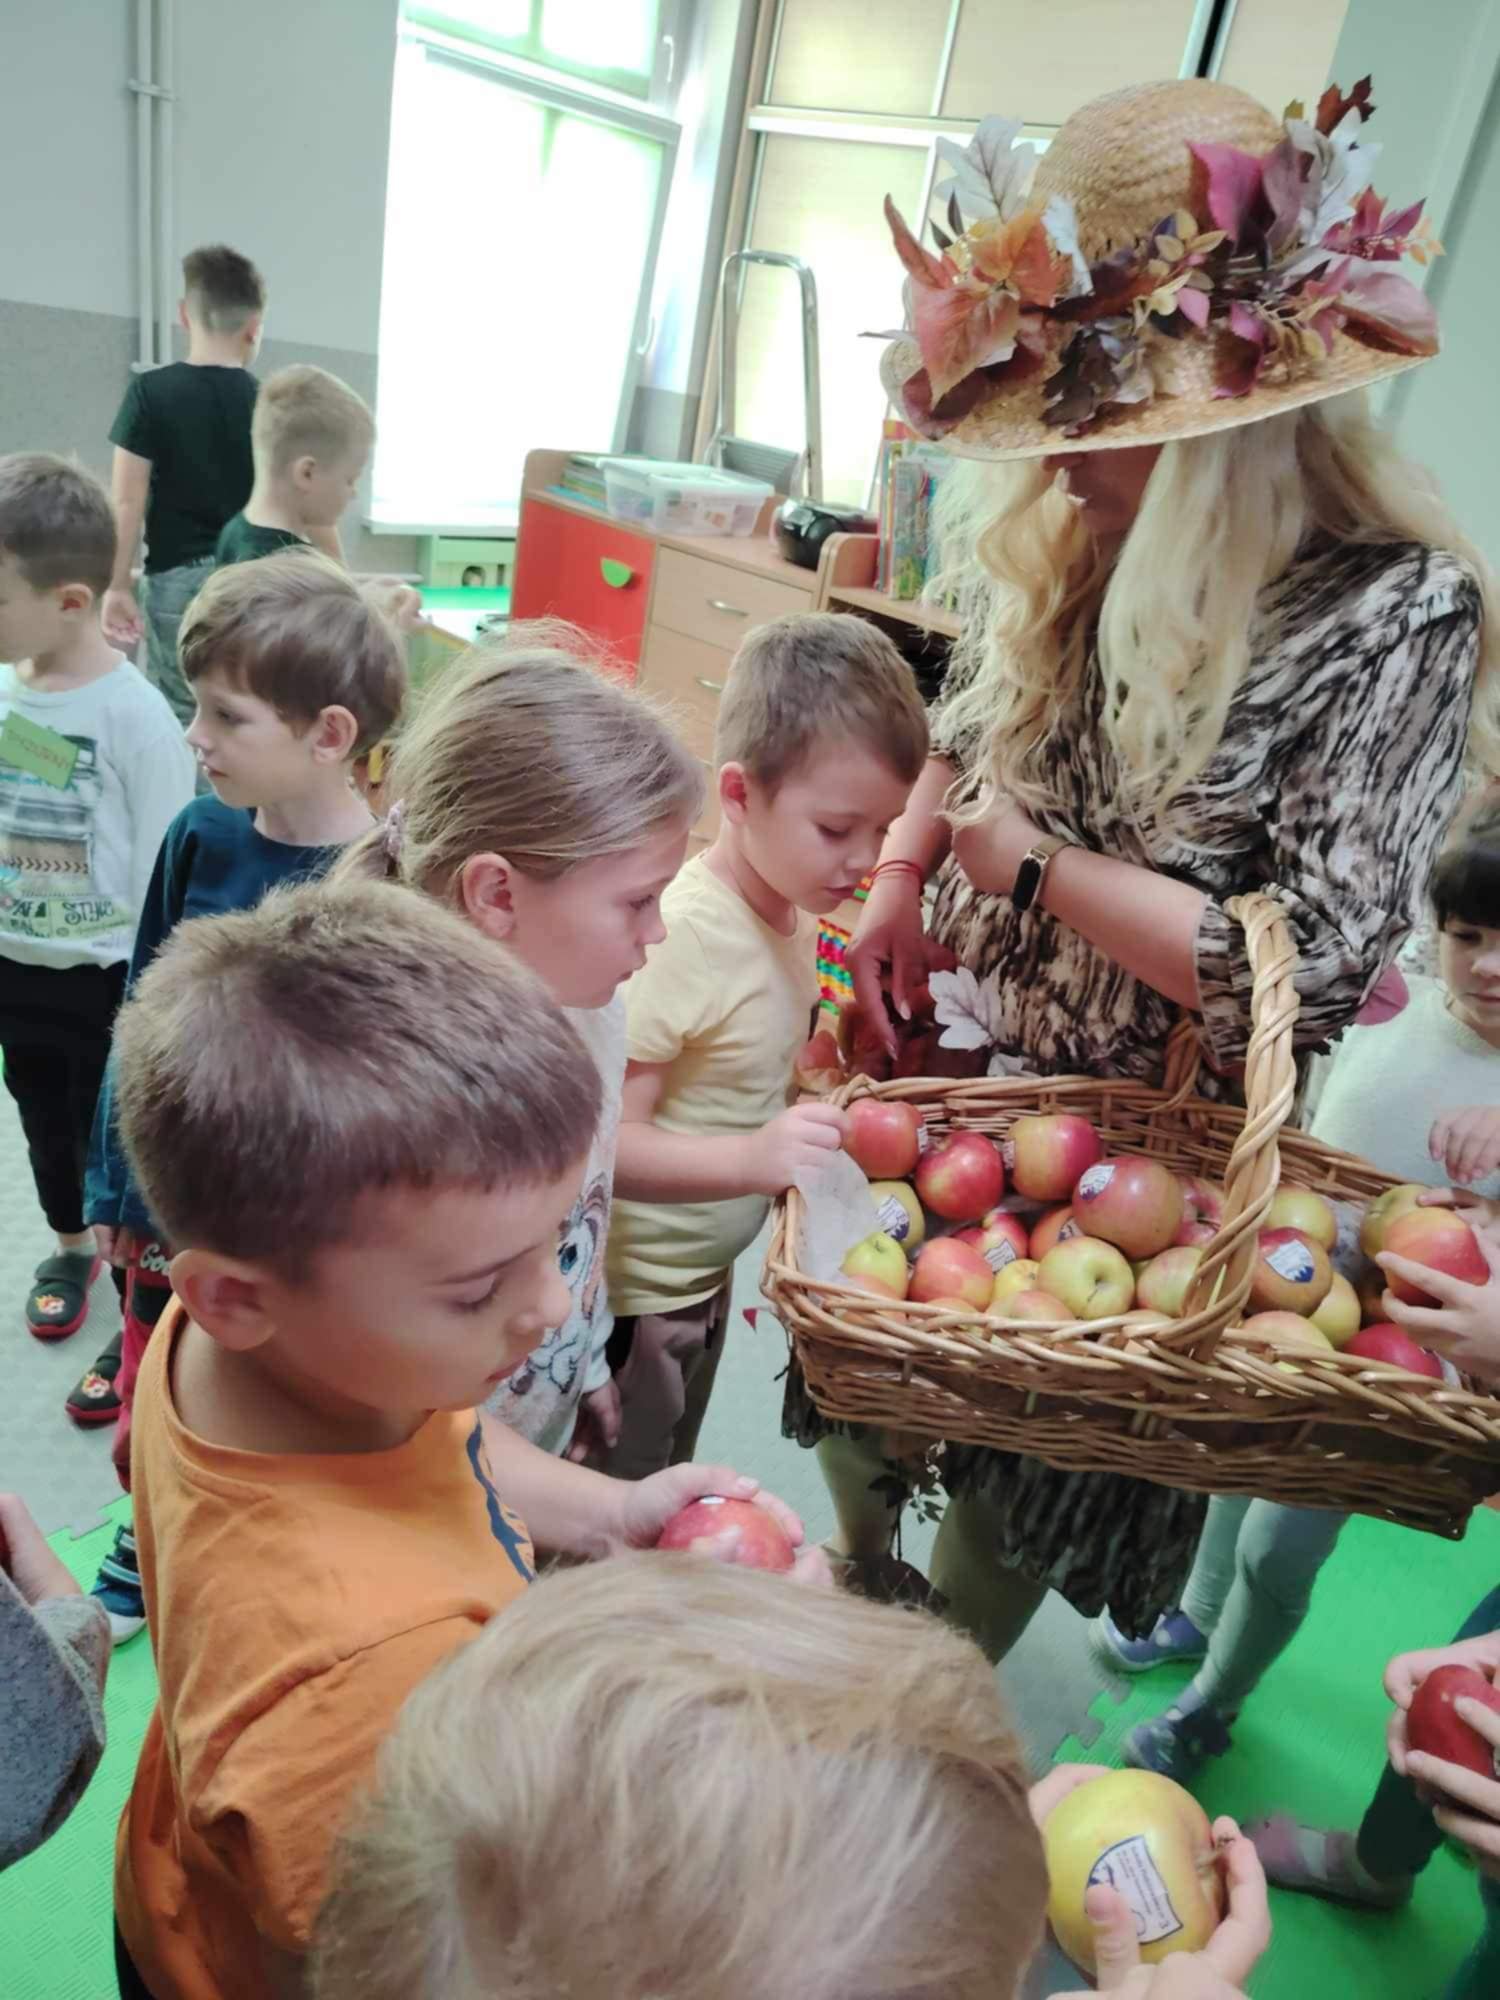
[(523, 213), (854, 95)]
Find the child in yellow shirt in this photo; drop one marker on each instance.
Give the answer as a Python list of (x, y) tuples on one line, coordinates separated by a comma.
[(821, 736)]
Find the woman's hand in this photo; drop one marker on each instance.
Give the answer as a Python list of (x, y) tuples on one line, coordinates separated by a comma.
[(991, 851), (890, 948)]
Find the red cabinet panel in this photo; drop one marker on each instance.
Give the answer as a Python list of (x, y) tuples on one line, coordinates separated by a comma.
[(596, 574)]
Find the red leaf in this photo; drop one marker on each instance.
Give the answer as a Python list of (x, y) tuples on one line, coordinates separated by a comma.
[(1333, 105), (1390, 307), (1246, 324), (923, 266), (1193, 305), (961, 331), (1233, 192)]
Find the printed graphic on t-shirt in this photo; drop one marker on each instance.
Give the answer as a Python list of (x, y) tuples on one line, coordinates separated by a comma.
[(565, 1351), (47, 885)]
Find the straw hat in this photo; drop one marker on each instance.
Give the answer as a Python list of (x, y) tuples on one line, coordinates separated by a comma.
[(1178, 261)]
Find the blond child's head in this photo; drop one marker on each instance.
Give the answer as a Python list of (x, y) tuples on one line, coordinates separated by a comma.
[(223, 295), (659, 1778), (362, 1126), (312, 438), (296, 671), (821, 736), (57, 550), (543, 797)]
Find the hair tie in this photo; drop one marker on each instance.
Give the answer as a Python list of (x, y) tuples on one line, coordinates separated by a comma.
[(395, 825)]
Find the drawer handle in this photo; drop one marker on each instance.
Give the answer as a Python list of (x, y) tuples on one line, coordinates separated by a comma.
[(714, 687), (729, 610), (616, 574)]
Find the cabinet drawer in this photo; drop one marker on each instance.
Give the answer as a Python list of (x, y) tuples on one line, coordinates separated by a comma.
[(690, 677), (716, 602), (595, 574)]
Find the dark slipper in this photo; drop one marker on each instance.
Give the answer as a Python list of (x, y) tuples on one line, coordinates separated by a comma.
[(58, 1302), (92, 1399)]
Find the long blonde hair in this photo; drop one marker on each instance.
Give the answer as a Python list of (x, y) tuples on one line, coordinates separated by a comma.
[(528, 747), (662, 1778), (1222, 517)]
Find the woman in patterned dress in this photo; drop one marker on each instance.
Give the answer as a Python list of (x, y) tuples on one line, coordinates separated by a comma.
[(1244, 647)]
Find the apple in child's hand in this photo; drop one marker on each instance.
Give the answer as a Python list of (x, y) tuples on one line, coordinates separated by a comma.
[(1000, 1239), (1440, 1239), (884, 1139), (1386, 1342), (1166, 1281), (1145, 1836), (877, 1264), (1289, 1274), (1339, 1315), (948, 1269), (1020, 1276), (1091, 1278), (1134, 1203), (1383, 1211), (1058, 1225), (1435, 1727), (1050, 1153), (732, 1531), (962, 1178), (1306, 1212), (1202, 1210), (899, 1213)]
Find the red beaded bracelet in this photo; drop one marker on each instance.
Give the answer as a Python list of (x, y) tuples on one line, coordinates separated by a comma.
[(899, 866)]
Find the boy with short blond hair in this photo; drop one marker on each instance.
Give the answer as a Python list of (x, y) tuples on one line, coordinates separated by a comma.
[(296, 674), (92, 769), (363, 1125), (312, 438), (821, 735), (182, 463)]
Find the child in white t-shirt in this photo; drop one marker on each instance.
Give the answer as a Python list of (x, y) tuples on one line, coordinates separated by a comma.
[(93, 769), (821, 735)]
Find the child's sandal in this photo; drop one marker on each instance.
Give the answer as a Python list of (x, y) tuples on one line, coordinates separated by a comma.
[(58, 1302), (93, 1399)]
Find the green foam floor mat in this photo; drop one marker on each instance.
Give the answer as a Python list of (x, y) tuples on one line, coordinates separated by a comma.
[(1311, 1741), (56, 1906)]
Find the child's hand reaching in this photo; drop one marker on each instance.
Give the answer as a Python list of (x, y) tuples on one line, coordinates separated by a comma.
[(1407, 1671), (598, 1430), (1466, 1144), (1466, 1806), (120, 619), (1465, 1323), (648, 1504), (26, 1557), (800, 1138)]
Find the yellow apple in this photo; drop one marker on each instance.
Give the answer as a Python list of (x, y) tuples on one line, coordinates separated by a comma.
[(878, 1264), (1339, 1314), (1146, 1837), (899, 1214), (1020, 1275), (1383, 1211), (1308, 1213)]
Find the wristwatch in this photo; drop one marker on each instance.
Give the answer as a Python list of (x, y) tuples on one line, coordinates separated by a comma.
[(1033, 870)]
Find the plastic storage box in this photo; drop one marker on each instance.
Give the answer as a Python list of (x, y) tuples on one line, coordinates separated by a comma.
[(679, 499)]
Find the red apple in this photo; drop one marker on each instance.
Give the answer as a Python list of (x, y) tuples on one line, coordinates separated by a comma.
[(1000, 1239), (1091, 1278), (948, 1269), (1440, 1239), (884, 1138), (1134, 1203), (1434, 1727), (877, 1264), (1385, 1342), (1306, 1212), (1034, 1304), (962, 1178), (1058, 1225), (899, 1213), (1050, 1154), (1383, 1211), (732, 1531), (1202, 1210), (1289, 1274), (1166, 1281)]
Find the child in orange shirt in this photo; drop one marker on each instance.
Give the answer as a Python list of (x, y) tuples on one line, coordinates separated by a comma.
[(362, 1127)]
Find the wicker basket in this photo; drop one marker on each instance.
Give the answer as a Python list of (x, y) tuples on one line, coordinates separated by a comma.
[(1197, 1402)]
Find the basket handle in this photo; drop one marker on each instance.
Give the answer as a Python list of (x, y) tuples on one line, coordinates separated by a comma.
[(1270, 1087)]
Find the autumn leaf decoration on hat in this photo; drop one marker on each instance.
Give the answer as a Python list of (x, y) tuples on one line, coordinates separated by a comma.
[(1147, 279)]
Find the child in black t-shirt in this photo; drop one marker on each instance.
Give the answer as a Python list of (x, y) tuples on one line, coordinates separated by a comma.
[(182, 460)]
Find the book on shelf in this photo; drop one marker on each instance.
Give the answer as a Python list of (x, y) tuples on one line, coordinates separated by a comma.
[(583, 479), (910, 474)]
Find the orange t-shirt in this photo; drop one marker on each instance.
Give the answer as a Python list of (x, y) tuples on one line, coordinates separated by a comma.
[(294, 1603)]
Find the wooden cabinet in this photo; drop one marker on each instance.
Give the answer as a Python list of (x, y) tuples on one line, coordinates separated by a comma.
[(592, 571)]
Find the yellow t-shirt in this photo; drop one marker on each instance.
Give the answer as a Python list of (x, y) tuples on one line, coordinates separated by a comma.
[(294, 1604), (727, 1002)]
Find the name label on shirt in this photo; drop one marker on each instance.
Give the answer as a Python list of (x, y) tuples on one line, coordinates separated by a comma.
[(32, 747)]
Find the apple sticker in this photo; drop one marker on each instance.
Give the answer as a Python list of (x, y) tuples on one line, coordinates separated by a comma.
[(1095, 1180), (1128, 1868), (1292, 1261)]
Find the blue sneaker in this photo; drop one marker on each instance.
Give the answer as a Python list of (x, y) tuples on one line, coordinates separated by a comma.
[(1177, 1744), (118, 1589), (1173, 1637)]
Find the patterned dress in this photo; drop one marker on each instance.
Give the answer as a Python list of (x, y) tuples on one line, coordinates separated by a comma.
[(1337, 775)]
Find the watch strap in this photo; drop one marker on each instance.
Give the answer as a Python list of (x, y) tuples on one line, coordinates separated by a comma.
[(1033, 869)]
